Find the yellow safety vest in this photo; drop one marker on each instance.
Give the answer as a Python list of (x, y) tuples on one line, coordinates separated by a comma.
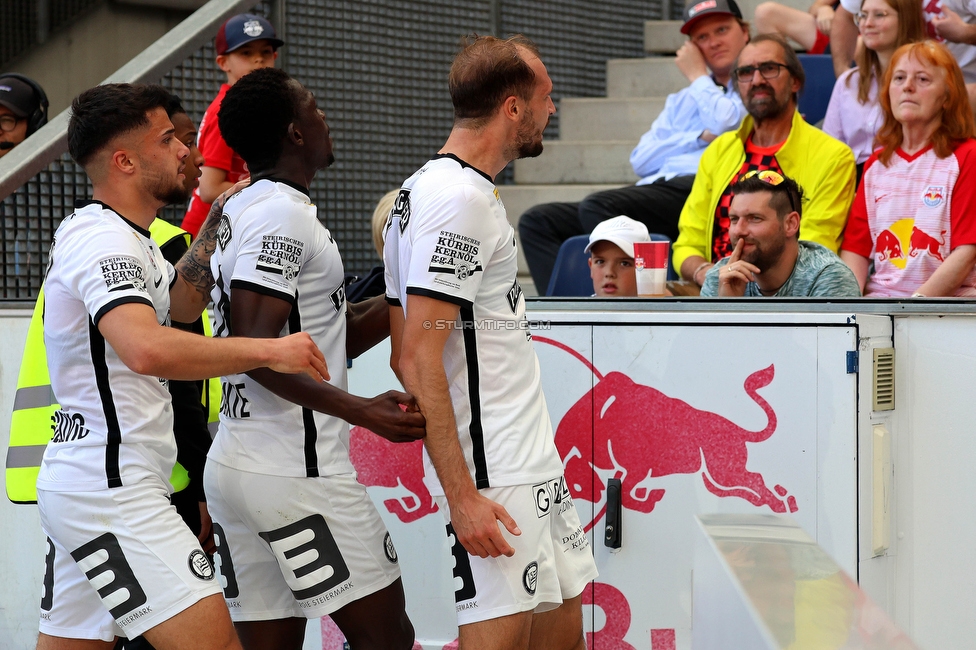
[(35, 403)]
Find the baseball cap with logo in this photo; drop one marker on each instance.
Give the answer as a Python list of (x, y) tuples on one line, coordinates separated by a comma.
[(696, 10), (622, 231), (18, 96), (241, 29)]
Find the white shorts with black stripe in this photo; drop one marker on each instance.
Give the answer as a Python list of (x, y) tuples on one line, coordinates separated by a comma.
[(119, 561), (295, 546), (553, 560)]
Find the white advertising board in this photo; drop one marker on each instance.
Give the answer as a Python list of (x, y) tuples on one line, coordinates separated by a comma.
[(692, 420)]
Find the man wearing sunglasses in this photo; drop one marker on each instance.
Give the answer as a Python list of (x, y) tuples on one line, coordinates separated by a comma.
[(767, 257), (773, 136)]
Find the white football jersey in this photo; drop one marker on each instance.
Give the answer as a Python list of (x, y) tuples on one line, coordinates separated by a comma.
[(115, 426), (270, 241), (448, 238)]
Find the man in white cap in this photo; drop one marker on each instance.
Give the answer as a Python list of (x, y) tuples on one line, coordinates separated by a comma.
[(611, 250)]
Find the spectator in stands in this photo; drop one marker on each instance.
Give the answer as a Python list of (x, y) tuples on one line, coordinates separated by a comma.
[(666, 156), (954, 21), (768, 259), (854, 115), (773, 136), (23, 110), (246, 42), (844, 35), (914, 211), (611, 250), (811, 29)]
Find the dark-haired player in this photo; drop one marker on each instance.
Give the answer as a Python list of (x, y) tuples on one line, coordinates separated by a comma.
[(297, 535), (120, 560), (521, 555)]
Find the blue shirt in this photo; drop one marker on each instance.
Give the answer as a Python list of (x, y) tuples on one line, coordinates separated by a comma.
[(673, 146)]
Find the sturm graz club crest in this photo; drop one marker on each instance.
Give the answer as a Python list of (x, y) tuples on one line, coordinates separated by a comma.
[(530, 578), (200, 565), (389, 550)]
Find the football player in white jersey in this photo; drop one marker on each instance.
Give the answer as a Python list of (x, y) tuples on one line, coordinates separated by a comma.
[(461, 346), (120, 560), (297, 536)]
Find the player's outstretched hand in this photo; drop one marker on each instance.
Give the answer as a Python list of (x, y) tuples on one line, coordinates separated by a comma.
[(475, 520), (297, 353), (395, 416)]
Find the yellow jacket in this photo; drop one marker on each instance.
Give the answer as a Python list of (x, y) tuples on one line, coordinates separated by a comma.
[(823, 166)]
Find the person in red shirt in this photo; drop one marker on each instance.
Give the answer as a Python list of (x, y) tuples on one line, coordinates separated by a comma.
[(913, 213), (246, 42)]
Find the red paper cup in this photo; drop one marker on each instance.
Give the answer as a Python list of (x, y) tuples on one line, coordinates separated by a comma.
[(651, 260)]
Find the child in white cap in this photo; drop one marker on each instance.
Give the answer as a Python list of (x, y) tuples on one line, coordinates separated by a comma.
[(611, 250)]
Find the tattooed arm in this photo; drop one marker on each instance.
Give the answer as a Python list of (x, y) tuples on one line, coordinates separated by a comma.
[(190, 295)]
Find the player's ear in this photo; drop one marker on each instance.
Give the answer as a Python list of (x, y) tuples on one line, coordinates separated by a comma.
[(512, 108), (295, 135), (122, 161)]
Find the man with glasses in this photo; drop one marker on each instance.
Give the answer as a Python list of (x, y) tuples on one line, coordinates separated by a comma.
[(772, 136), (768, 259), (23, 110)]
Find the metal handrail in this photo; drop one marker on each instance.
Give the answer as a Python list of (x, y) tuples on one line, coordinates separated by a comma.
[(23, 162)]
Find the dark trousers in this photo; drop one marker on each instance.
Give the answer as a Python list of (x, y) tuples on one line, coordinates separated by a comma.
[(544, 228)]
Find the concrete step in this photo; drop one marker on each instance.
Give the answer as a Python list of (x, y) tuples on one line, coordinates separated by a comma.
[(519, 198), (579, 162), (650, 77), (600, 118), (663, 36)]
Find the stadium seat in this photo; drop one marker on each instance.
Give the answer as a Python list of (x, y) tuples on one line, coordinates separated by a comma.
[(815, 95), (571, 274)]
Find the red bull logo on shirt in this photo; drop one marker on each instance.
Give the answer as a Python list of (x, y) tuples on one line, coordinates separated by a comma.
[(934, 196), (888, 247), (922, 242), (903, 240)]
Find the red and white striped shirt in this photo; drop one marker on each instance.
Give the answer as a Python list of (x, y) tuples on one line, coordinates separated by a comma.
[(911, 214)]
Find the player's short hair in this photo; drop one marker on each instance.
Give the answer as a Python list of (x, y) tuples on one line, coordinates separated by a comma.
[(174, 105), (255, 115), (485, 72), (103, 113), (786, 194)]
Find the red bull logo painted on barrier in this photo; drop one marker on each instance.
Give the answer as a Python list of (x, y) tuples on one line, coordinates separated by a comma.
[(638, 433)]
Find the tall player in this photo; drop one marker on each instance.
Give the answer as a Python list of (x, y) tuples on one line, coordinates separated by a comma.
[(120, 560), (461, 345), (297, 535)]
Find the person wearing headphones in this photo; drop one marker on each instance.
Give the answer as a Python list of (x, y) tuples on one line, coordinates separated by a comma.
[(23, 110)]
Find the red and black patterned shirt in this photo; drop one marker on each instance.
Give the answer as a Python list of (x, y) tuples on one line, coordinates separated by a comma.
[(757, 159)]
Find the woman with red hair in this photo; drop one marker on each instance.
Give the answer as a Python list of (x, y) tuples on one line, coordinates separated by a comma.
[(914, 214)]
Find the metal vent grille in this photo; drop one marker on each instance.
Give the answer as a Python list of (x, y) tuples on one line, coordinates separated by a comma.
[(379, 69), (884, 379)]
